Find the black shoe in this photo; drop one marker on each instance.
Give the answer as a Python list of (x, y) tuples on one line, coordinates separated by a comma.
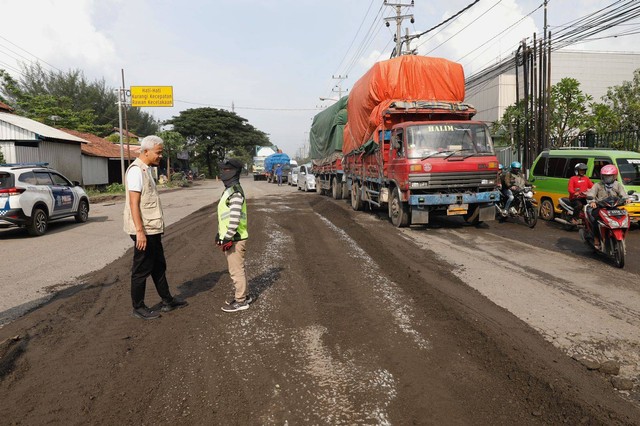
[(145, 313), (174, 304), (248, 299)]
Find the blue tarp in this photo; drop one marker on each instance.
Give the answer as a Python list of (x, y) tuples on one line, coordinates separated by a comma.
[(277, 158)]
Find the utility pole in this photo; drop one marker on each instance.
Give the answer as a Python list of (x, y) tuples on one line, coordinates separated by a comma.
[(120, 105), (339, 85), (398, 18)]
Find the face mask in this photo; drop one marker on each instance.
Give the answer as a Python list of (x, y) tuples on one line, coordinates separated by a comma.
[(227, 174), (608, 179)]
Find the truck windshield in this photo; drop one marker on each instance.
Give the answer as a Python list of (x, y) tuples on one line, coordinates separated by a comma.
[(629, 170), (431, 140)]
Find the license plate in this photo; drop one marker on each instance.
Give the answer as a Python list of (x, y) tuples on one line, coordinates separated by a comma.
[(617, 212), (457, 209)]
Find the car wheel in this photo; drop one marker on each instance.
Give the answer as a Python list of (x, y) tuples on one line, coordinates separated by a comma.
[(83, 212), (546, 209), (37, 225)]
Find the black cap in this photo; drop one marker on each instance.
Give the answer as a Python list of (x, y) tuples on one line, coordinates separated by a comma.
[(232, 162)]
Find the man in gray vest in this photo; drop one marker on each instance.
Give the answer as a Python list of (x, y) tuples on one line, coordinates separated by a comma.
[(144, 222)]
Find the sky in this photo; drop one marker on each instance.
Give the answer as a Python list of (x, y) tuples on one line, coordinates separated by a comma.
[(269, 60)]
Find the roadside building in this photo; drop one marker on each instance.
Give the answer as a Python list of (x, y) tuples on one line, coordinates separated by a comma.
[(596, 72), (23, 140), (101, 159)]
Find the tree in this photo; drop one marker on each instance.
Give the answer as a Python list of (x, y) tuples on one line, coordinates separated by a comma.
[(568, 111), (211, 133), (624, 102), (603, 118), (1, 158), (173, 143), (76, 95), (512, 121)]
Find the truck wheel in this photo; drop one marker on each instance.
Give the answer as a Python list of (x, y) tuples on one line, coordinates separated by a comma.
[(345, 190), (336, 189), (473, 217), (356, 201), (398, 211)]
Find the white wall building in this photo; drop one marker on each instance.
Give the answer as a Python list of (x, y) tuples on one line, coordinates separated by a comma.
[(23, 140), (596, 72)]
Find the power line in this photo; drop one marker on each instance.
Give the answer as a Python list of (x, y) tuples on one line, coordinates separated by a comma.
[(25, 50), (356, 35), (247, 107)]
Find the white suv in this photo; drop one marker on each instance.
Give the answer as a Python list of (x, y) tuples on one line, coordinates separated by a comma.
[(31, 195)]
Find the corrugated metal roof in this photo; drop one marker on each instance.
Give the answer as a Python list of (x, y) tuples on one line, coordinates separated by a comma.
[(38, 128)]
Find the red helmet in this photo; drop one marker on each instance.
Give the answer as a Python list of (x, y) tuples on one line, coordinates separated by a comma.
[(609, 173)]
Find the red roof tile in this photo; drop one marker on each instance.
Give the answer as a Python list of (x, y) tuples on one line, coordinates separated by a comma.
[(5, 107), (100, 147)]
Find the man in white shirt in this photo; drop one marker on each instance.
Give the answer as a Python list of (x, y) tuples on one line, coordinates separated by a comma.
[(144, 222)]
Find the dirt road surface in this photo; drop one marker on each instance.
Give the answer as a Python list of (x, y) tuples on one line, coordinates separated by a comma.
[(355, 322)]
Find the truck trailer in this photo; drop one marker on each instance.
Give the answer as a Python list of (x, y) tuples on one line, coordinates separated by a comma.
[(325, 141), (410, 144)]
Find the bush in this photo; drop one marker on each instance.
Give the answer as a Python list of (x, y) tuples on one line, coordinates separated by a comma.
[(115, 188)]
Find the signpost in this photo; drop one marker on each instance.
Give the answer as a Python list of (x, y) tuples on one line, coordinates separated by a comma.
[(151, 96)]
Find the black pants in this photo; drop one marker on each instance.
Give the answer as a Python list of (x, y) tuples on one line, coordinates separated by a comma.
[(578, 204), (149, 262)]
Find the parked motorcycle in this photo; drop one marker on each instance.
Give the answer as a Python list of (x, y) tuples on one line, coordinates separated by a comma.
[(523, 205), (613, 225), (566, 215)]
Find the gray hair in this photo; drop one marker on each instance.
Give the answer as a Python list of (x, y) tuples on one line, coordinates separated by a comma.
[(149, 142)]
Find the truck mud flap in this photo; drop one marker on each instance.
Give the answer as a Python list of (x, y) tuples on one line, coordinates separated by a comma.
[(419, 217), (486, 213)]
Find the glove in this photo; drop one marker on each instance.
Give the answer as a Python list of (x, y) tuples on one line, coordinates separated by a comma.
[(226, 245)]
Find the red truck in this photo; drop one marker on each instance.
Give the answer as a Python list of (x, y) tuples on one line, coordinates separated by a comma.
[(410, 144)]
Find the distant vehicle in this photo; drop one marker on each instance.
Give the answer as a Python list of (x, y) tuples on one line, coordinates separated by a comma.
[(306, 179), (33, 194), (259, 173), (271, 164), (292, 178)]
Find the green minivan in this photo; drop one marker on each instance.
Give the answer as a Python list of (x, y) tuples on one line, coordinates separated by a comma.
[(552, 169)]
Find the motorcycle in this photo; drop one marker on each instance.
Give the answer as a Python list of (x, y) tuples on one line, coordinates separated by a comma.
[(523, 205), (612, 228), (567, 211)]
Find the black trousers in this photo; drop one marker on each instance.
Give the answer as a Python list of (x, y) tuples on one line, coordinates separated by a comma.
[(149, 262), (578, 204)]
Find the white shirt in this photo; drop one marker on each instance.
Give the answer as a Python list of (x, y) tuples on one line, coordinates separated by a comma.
[(134, 179)]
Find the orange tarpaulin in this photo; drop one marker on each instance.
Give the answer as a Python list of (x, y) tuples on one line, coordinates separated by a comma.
[(405, 78)]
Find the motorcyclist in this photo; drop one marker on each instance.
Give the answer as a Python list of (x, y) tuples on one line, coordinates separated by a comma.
[(578, 185), (513, 181), (607, 187), (500, 177)]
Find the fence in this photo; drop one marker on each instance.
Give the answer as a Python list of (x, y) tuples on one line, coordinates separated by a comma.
[(624, 140)]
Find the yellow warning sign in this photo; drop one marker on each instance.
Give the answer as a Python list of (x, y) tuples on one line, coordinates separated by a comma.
[(152, 96)]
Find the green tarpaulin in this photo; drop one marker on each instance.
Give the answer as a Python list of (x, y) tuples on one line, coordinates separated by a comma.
[(327, 131)]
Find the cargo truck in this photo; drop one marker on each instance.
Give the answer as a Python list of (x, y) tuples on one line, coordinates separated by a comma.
[(410, 144), (325, 142), (271, 164), (262, 152)]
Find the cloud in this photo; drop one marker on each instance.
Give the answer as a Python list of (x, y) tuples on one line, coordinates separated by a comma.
[(57, 32)]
